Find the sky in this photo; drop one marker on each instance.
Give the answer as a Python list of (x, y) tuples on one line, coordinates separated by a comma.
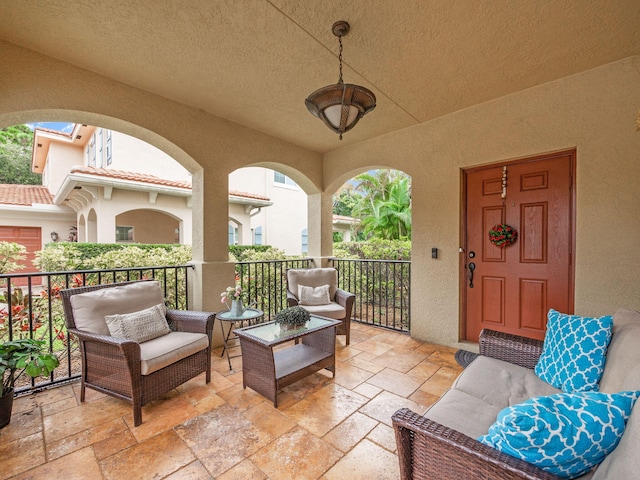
[(59, 126)]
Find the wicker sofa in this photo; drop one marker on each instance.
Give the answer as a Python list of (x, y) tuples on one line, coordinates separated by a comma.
[(441, 444)]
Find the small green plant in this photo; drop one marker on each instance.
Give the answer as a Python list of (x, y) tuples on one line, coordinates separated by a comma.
[(292, 317), (24, 356)]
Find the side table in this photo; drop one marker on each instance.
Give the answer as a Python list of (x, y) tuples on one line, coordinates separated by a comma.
[(250, 316)]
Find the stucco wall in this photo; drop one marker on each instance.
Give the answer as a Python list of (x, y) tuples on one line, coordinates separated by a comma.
[(282, 223), (49, 218), (132, 155), (66, 156), (593, 112), (120, 203)]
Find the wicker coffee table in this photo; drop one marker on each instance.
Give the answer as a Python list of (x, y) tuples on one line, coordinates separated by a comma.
[(266, 370)]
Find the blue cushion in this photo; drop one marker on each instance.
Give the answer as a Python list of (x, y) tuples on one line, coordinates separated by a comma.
[(566, 434), (574, 351)]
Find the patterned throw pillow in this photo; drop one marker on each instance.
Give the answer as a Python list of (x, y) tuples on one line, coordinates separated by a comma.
[(314, 296), (574, 351), (139, 326), (566, 434)]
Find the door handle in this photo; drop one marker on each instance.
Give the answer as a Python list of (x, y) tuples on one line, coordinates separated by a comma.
[(472, 267)]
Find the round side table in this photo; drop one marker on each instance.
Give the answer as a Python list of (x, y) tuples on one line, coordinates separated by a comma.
[(250, 316)]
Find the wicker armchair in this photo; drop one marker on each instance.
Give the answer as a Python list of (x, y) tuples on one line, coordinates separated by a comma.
[(341, 303), (114, 366), (429, 450)]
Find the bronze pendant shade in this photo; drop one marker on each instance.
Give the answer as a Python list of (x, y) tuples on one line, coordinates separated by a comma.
[(341, 105)]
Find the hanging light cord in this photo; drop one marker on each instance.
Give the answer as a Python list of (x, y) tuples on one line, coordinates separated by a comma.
[(340, 58)]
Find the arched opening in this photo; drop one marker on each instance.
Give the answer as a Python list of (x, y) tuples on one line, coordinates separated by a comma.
[(82, 229), (267, 207), (92, 226), (146, 226)]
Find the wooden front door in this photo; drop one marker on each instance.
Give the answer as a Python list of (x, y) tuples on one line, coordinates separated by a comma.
[(511, 289)]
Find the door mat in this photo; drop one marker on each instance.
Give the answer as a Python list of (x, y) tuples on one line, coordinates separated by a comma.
[(464, 357)]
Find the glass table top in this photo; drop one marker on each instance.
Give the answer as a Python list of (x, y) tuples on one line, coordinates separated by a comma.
[(271, 332), (248, 314)]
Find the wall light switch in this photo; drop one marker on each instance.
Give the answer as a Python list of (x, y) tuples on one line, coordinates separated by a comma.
[(434, 252)]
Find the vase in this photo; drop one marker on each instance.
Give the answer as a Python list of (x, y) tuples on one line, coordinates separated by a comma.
[(6, 405), (237, 309)]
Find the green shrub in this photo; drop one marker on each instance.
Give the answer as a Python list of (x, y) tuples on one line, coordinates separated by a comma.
[(10, 254), (374, 249), (239, 252), (94, 256)]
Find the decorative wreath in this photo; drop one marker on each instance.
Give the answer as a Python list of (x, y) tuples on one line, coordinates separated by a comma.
[(502, 235)]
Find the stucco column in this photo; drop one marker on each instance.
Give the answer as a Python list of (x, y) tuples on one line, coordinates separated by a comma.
[(320, 227), (213, 271)]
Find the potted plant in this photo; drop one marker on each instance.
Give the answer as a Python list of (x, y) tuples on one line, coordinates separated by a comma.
[(17, 357), (291, 318)]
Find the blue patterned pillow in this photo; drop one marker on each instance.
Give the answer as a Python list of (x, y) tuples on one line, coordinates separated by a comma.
[(566, 434), (574, 351)]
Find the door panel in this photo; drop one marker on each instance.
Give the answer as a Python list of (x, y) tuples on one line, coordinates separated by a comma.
[(514, 287)]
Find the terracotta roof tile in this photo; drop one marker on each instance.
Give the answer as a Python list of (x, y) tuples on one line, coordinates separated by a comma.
[(30, 194), (24, 195), (237, 193), (136, 177)]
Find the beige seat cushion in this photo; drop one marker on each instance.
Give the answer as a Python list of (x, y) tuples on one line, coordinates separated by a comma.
[(167, 349), (463, 412), (331, 310), (90, 309), (500, 383)]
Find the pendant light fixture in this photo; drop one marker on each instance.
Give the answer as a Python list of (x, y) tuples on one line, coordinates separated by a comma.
[(341, 105)]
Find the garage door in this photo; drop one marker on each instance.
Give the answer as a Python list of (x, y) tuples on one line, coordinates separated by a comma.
[(31, 238)]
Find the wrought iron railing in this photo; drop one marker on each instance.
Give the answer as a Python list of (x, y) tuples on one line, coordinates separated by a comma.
[(34, 309), (382, 289), (266, 282)]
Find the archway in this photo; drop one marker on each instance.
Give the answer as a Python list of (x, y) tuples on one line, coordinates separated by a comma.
[(147, 226), (92, 227), (206, 145)]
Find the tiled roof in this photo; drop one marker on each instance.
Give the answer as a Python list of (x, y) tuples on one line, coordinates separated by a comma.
[(24, 195), (135, 177), (146, 178), (255, 196), (30, 194)]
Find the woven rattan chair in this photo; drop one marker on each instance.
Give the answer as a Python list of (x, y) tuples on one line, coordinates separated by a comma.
[(341, 301), (114, 366), (428, 449)]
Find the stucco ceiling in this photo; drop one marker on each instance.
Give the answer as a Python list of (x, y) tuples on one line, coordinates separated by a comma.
[(255, 61)]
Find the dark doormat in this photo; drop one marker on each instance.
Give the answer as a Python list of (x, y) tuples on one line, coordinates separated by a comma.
[(464, 357)]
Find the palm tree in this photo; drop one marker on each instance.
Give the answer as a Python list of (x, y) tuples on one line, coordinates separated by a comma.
[(385, 206)]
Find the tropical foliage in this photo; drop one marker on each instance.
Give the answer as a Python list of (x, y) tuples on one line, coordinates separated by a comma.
[(381, 199), (15, 156), (26, 356), (11, 254)]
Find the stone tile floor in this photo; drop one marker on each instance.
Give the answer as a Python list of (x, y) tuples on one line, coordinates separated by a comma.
[(324, 428)]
